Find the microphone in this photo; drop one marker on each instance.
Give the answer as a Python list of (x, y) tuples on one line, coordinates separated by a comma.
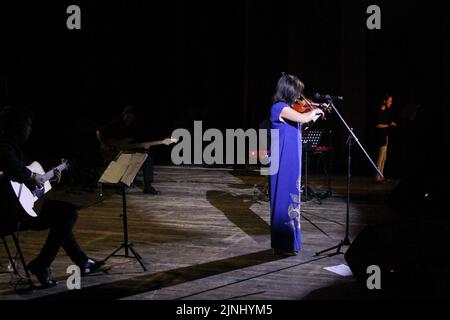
[(327, 97)]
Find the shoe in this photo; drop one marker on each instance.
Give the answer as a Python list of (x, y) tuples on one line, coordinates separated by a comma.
[(90, 266), (378, 181), (151, 190), (43, 275)]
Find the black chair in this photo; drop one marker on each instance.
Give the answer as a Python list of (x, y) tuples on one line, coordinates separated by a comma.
[(20, 254)]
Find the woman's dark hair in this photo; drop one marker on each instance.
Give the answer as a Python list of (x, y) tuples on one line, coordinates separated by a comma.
[(385, 97), (289, 88), (12, 118)]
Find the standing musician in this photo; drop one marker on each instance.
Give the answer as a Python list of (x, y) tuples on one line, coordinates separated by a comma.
[(285, 185), (383, 122), (58, 216), (114, 136)]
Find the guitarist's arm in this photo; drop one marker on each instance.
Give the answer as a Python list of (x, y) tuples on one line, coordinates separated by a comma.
[(106, 142), (15, 169)]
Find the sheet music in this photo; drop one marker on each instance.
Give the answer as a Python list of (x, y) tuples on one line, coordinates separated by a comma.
[(113, 173), (135, 163), (124, 158), (124, 169)]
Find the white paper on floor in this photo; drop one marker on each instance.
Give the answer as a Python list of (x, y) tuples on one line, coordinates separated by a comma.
[(342, 270)]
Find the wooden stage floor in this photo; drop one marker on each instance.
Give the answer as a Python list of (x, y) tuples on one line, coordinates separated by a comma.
[(206, 236)]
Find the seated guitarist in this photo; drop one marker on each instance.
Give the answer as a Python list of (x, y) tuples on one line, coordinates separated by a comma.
[(119, 132), (58, 216)]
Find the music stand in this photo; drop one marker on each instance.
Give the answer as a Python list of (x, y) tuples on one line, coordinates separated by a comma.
[(310, 141), (409, 111), (121, 173)]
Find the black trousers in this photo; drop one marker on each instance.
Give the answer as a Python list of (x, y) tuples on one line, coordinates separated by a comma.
[(147, 169), (60, 217)]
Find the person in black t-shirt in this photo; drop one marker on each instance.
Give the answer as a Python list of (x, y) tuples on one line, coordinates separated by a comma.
[(383, 122), (120, 132)]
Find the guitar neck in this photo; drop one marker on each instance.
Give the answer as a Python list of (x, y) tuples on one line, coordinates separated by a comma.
[(143, 145), (154, 143), (50, 174)]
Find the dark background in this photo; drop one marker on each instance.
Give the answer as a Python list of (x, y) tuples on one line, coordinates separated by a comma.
[(218, 61)]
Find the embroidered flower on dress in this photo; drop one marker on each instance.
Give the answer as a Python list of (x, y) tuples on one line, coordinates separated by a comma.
[(294, 208)]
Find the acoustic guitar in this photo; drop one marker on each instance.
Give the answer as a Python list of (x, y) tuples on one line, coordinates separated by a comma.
[(26, 197)]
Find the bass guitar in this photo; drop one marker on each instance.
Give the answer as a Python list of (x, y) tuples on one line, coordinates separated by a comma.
[(112, 147)]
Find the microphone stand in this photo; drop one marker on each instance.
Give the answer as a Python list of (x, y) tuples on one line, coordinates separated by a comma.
[(351, 137)]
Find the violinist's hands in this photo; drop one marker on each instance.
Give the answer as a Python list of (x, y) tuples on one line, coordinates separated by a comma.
[(317, 113), (327, 107)]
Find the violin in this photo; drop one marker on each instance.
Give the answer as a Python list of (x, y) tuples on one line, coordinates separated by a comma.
[(307, 105)]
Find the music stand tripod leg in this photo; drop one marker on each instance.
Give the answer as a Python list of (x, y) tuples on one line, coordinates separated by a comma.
[(138, 257), (113, 254), (337, 247), (126, 244)]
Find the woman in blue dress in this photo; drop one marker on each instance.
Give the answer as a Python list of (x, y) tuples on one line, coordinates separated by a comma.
[(285, 183)]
